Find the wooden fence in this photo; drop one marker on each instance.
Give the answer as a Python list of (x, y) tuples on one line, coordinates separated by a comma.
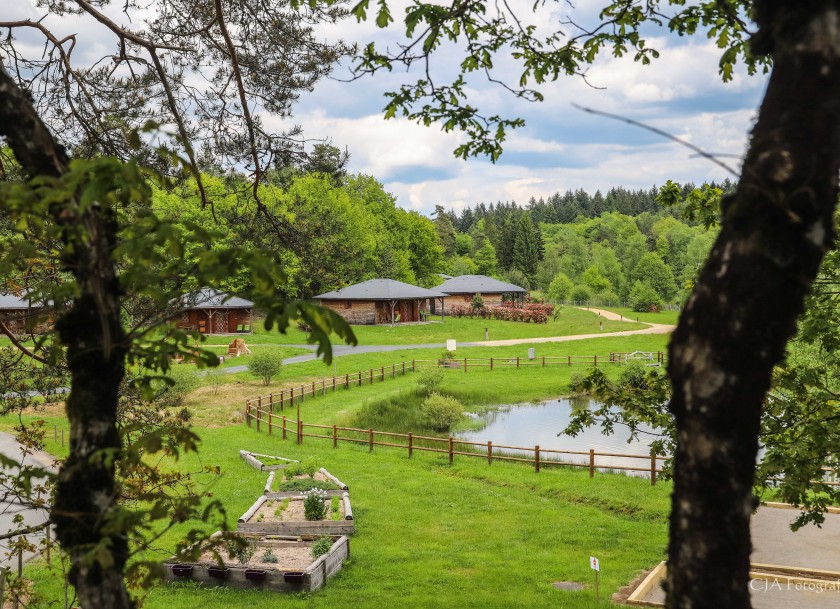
[(290, 397), (537, 456)]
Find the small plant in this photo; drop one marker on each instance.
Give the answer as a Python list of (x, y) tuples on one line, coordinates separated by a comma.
[(309, 467), (292, 470), (321, 546), (269, 556), (282, 508), (314, 507), (260, 517), (265, 365), (429, 379), (335, 504), (441, 411), (240, 550), (477, 301)]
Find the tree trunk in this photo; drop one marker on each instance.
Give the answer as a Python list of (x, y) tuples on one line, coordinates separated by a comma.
[(776, 229), (85, 496)]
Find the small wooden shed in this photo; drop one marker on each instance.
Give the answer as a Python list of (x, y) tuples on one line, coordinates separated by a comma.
[(19, 314), (213, 312), (461, 290), (381, 301)]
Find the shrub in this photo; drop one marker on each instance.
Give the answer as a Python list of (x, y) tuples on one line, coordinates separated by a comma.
[(644, 298), (309, 467), (429, 379), (580, 293), (607, 298), (441, 411), (265, 365), (321, 546), (314, 507), (477, 301), (559, 288), (634, 374)]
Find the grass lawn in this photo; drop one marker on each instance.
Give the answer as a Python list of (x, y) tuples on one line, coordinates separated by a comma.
[(662, 317), (430, 535)]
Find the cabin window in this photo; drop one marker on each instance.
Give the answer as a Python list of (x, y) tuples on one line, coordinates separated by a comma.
[(348, 304)]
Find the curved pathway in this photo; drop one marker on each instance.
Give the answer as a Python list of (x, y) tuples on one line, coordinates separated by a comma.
[(340, 350)]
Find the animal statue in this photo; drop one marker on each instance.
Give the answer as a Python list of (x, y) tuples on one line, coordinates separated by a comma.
[(237, 348)]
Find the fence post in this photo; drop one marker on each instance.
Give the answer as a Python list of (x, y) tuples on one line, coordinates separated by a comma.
[(403, 365), (517, 362), (489, 452), (333, 384), (323, 387), (347, 381), (570, 360), (413, 368), (382, 374), (360, 378), (371, 376), (410, 444), (247, 413), (543, 361), (451, 454), (591, 462), (335, 435), (259, 415), (537, 458), (271, 402), (302, 392), (284, 427), (596, 360), (491, 363), (653, 470), (282, 400), (465, 364), (370, 439), (393, 371), (259, 403), (313, 389), (292, 402), (299, 438), (269, 422)]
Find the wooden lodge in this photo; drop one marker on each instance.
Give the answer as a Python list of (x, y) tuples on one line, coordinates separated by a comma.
[(461, 291), (20, 314), (382, 301), (212, 312)]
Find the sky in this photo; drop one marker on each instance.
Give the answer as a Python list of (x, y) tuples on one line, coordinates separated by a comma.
[(560, 147)]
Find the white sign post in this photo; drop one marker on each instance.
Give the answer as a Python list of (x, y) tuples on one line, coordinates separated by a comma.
[(596, 566)]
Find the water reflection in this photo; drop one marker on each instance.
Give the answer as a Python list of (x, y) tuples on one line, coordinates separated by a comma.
[(529, 424)]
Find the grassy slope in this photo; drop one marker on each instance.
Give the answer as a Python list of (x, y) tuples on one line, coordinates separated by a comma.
[(570, 321), (662, 317), (430, 535)]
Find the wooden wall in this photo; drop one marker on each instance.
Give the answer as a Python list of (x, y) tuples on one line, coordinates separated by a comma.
[(223, 321), (360, 312)]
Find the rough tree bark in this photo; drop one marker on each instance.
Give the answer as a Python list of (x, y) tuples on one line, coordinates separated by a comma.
[(776, 230), (96, 349)]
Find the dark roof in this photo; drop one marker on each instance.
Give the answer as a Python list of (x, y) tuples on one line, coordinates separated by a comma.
[(208, 298), (380, 289), (470, 284), (9, 301)]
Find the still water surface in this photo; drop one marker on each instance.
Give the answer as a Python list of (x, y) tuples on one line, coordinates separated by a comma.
[(530, 424)]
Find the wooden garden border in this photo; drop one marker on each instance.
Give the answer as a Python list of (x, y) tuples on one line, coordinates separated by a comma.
[(345, 526)]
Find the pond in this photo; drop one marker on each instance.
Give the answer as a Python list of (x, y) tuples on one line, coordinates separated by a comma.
[(539, 423)]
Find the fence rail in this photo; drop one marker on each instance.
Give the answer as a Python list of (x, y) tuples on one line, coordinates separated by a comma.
[(294, 395), (538, 456)]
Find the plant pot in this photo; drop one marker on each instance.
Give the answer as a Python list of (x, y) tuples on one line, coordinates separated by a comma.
[(293, 577), (255, 575), (182, 570), (218, 572)]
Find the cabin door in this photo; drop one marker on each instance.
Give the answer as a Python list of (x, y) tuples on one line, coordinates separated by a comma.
[(221, 322)]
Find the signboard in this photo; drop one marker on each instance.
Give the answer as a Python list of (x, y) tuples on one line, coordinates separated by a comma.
[(593, 562)]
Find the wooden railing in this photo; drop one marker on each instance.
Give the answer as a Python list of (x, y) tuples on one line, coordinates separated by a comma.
[(289, 397), (538, 456)]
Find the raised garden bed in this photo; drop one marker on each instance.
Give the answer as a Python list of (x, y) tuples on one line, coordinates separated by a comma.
[(294, 570), (279, 486), (285, 516), (265, 462)]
